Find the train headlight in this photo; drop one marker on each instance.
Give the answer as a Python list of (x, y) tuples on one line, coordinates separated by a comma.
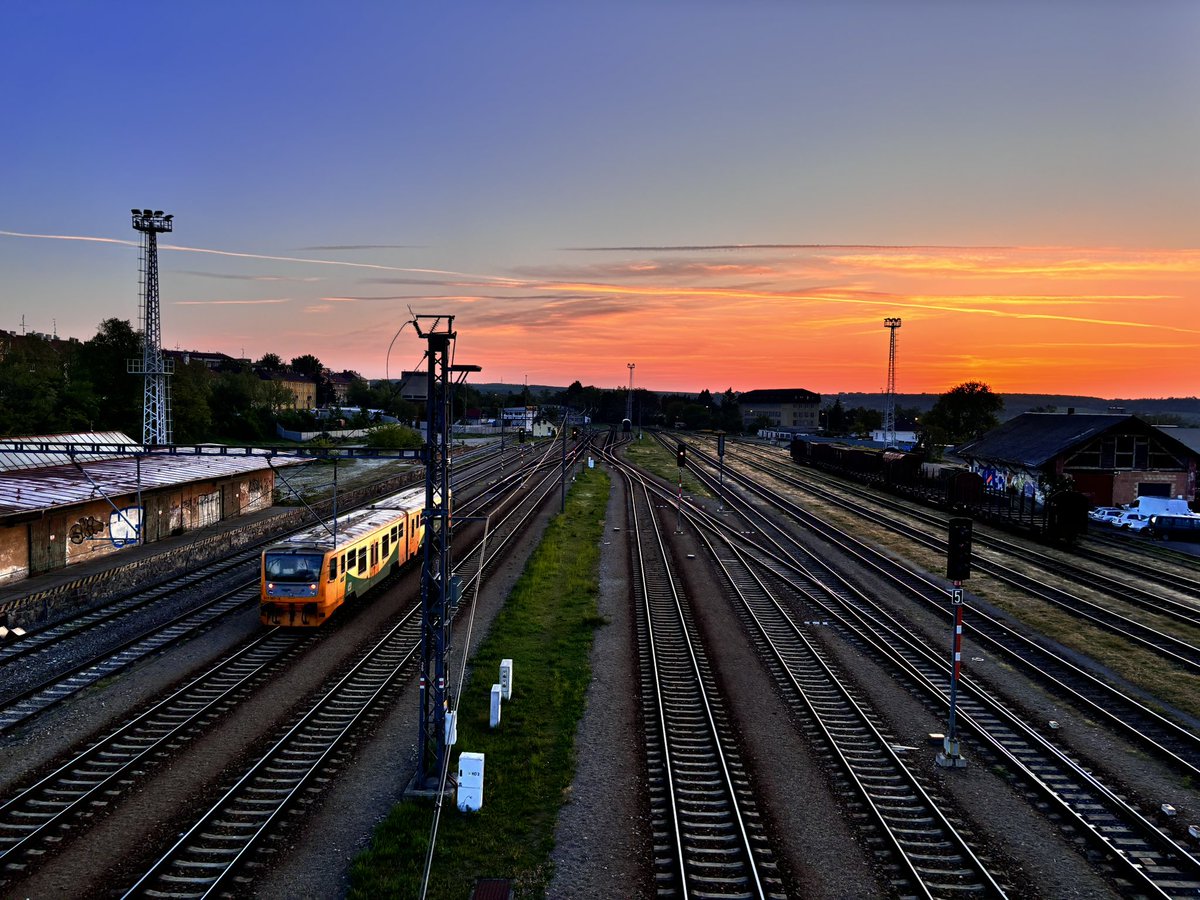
[(270, 586), (312, 587)]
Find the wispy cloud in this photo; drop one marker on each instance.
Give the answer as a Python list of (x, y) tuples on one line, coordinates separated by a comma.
[(310, 279), (363, 247), (693, 248), (493, 279), (232, 302)]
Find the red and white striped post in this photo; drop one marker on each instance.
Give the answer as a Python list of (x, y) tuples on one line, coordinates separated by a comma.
[(950, 757)]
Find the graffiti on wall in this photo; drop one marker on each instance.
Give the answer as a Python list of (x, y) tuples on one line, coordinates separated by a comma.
[(124, 525), (85, 529), (120, 530)]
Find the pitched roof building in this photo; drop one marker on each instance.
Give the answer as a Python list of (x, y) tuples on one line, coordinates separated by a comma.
[(1113, 459)]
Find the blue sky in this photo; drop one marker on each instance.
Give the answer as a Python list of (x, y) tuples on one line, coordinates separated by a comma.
[(490, 142)]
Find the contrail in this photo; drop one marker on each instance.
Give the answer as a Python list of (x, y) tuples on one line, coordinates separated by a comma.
[(300, 259)]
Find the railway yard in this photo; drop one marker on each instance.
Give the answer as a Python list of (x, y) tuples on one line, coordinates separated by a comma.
[(771, 663)]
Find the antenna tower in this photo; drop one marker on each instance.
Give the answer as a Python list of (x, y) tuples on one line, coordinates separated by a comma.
[(156, 396), (629, 396), (889, 402)]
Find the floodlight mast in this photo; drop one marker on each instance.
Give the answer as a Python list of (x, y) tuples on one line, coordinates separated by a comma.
[(629, 396), (889, 402), (156, 392)]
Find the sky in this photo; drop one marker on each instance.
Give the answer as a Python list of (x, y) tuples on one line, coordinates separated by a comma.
[(726, 194)]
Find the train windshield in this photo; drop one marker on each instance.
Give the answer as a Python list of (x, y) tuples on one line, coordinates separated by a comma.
[(293, 566)]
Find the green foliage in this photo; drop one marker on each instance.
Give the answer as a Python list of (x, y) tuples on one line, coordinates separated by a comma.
[(964, 412), (191, 398), (546, 627), (394, 437)]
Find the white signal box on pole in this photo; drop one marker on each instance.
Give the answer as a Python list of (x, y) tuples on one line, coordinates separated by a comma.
[(451, 728), (494, 718), (470, 781), (506, 674)]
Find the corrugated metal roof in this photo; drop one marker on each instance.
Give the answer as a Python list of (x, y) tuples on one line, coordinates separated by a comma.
[(20, 461), (355, 524), (64, 485)]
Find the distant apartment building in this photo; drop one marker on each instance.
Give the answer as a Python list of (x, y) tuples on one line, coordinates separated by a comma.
[(784, 408)]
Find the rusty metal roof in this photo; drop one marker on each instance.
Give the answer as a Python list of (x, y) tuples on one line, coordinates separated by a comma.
[(50, 486)]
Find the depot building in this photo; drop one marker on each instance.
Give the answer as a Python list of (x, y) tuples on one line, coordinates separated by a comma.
[(56, 513)]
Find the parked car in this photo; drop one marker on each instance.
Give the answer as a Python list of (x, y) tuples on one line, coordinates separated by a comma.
[(1106, 515), (1175, 528), (1132, 521)]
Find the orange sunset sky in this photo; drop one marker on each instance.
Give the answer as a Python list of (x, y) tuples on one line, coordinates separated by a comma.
[(726, 195)]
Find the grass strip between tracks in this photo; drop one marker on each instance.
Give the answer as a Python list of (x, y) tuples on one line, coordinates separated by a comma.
[(546, 627), (656, 459)]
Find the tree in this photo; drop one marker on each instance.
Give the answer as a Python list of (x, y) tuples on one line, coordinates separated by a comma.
[(394, 437), (270, 361), (104, 363), (191, 393), (965, 412)]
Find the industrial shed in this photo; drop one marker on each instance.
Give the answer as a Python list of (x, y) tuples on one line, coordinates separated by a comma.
[(55, 513), (1112, 459)]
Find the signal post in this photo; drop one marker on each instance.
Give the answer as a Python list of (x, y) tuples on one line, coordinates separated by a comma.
[(958, 570)]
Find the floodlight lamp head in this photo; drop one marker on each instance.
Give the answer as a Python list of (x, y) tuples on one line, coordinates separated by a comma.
[(158, 212)]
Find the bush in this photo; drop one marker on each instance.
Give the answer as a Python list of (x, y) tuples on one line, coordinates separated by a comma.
[(394, 437)]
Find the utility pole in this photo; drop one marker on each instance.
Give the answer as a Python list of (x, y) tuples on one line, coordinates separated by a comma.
[(156, 393), (889, 403)]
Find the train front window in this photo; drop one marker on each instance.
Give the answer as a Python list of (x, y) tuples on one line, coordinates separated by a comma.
[(293, 566)]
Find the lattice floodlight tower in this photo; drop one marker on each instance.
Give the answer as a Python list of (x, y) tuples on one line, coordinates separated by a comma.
[(889, 402), (629, 396), (156, 396), (438, 331)]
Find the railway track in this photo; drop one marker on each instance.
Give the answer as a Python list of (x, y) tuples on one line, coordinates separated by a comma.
[(1171, 648), (927, 854), (828, 488), (1141, 857), (208, 856), (708, 838), (67, 681)]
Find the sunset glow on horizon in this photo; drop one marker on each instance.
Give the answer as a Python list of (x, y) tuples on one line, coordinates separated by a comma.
[(726, 196)]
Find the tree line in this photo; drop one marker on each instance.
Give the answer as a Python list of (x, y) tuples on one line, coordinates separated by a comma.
[(63, 386)]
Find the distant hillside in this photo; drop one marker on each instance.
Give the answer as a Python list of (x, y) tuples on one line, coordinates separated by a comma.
[(1187, 408)]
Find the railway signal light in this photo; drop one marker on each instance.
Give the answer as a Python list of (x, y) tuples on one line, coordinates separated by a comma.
[(681, 455), (958, 553)]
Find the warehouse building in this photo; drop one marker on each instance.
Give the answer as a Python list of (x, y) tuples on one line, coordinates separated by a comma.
[(785, 409), (1112, 459), (54, 513)]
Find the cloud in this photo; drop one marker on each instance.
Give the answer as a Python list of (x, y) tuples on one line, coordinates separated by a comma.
[(241, 255), (692, 248), (228, 275), (230, 302), (364, 247)]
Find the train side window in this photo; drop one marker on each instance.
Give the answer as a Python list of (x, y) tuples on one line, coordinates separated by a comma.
[(400, 528), (395, 533), (362, 558), (332, 568), (344, 562), (386, 545)]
